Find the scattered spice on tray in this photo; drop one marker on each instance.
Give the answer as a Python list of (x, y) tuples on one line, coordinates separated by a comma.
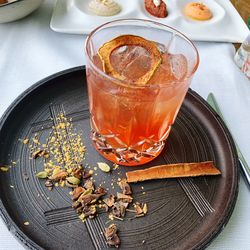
[(63, 155)]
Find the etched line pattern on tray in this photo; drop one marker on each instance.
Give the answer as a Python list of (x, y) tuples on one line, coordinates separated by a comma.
[(60, 216), (68, 215), (96, 228), (41, 125), (47, 124), (194, 194), (56, 110), (204, 202), (196, 197)]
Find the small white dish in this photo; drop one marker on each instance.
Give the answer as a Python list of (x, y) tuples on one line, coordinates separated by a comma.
[(226, 25), (17, 9)]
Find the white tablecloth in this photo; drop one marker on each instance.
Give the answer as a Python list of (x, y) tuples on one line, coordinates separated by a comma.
[(30, 51)]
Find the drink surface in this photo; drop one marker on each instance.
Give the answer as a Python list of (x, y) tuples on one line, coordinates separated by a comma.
[(130, 122)]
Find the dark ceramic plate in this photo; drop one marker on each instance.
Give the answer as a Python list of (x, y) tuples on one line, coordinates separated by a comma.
[(183, 213)]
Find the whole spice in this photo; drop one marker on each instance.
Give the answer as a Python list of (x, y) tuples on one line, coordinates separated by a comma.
[(125, 198), (173, 171), (106, 208), (140, 208), (111, 235), (109, 201), (86, 203), (119, 209), (77, 172), (73, 180), (89, 184), (89, 211), (77, 192), (123, 184), (68, 184), (61, 175), (42, 175), (89, 198), (86, 175), (64, 167), (49, 184), (104, 166), (100, 190)]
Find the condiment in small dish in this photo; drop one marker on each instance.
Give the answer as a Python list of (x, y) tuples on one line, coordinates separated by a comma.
[(104, 7), (198, 11)]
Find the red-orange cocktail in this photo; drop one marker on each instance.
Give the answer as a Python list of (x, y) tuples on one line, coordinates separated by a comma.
[(131, 117)]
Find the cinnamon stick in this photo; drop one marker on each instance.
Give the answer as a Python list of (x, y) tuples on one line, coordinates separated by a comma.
[(173, 171)]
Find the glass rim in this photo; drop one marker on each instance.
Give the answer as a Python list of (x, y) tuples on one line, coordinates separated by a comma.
[(128, 82)]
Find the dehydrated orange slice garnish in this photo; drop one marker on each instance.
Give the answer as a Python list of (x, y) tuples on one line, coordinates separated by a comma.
[(106, 50)]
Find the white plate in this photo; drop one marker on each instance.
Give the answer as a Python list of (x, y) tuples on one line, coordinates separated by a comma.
[(226, 25)]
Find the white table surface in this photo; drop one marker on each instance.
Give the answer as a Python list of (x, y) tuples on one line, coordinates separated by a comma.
[(30, 51)]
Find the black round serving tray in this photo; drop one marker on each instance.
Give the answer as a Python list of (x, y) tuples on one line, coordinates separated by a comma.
[(182, 213)]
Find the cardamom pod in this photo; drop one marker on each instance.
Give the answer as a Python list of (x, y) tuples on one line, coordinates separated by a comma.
[(42, 175), (103, 166), (73, 180)]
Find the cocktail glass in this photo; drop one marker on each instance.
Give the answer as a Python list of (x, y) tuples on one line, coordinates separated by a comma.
[(131, 121)]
